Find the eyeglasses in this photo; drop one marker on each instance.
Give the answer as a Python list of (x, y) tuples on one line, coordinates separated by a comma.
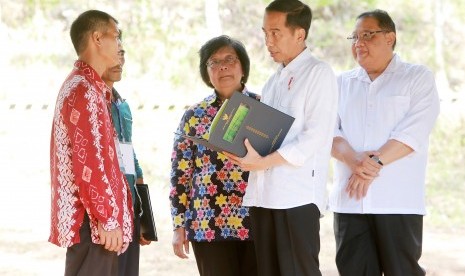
[(216, 63), (364, 36)]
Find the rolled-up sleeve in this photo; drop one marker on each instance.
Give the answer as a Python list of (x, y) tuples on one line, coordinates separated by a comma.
[(416, 126)]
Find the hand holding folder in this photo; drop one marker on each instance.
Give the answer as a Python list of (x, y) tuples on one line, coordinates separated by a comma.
[(147, 222), (242, 117)]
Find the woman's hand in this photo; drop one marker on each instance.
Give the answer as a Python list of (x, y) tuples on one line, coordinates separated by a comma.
[(180, 243)]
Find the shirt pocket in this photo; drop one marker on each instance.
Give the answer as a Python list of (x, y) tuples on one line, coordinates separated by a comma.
[(395, 108), (291, 100)]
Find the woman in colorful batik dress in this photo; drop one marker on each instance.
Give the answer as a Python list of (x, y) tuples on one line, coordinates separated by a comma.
[(207, 188)]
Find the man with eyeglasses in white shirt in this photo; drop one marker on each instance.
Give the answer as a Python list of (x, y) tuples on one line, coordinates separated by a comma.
[(387, 109)]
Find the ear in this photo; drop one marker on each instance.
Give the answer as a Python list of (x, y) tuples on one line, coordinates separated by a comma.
[(301, 35), (391, 37), (96, 38)]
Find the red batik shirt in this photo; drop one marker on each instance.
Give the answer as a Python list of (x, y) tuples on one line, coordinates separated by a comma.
[(85, 175)]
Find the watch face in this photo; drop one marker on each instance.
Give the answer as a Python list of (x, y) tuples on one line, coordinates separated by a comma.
[(376, 158)]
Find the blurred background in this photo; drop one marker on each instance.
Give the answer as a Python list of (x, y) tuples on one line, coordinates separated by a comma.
[(161, 78)]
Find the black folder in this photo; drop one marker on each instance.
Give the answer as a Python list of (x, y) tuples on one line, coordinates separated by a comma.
[(242, 117), (147, 222)]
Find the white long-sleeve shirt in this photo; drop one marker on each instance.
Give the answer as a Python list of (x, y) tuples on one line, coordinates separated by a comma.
[(401, 104), (307, 90)]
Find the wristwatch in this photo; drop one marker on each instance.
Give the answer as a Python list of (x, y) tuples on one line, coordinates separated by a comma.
[(376, 158)]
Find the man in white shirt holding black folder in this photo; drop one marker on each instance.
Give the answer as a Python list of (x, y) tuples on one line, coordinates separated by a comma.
[(287, 188)]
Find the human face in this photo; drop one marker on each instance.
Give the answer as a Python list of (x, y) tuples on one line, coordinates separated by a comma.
[(225, 78), (110, 46), (375, 54), (283, 43), (114, 74)]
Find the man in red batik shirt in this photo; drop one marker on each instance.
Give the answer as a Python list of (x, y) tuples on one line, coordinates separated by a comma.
[(91, 204)]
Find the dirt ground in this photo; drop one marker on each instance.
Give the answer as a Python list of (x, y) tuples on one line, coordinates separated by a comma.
[(25, 201), (24, 250)]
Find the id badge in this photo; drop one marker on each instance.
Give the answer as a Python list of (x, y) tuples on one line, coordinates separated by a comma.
[(125, 157)]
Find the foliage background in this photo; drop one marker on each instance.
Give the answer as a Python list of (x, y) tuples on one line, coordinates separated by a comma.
[(161, 77)]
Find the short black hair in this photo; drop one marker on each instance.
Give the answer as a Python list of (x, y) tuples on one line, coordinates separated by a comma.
[(87, 23), (216, 43), (384, 21), (298, 14)]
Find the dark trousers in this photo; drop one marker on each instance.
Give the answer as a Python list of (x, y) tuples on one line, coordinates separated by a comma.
[(128, 262), (225, 258), (375, 244), (287, 241), (87, 258)]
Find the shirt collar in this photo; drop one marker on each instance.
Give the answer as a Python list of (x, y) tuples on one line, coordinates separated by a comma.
[(90, 72), (392, 67), (116, 97), (214, 98), (296, 63)]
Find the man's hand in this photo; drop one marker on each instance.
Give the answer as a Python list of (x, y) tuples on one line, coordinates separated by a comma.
[(124, 248), (180, 243), (364, 166), (143, 241), (358, 186), (253, 161), (111, 240)]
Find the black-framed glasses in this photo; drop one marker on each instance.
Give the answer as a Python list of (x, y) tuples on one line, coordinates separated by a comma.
[(364, 36), (216, 63)]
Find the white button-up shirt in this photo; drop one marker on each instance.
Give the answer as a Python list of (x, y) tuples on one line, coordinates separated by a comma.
[(306, 89), (401, 104)]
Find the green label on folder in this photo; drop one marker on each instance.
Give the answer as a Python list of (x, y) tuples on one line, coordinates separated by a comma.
[(236, 122)]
